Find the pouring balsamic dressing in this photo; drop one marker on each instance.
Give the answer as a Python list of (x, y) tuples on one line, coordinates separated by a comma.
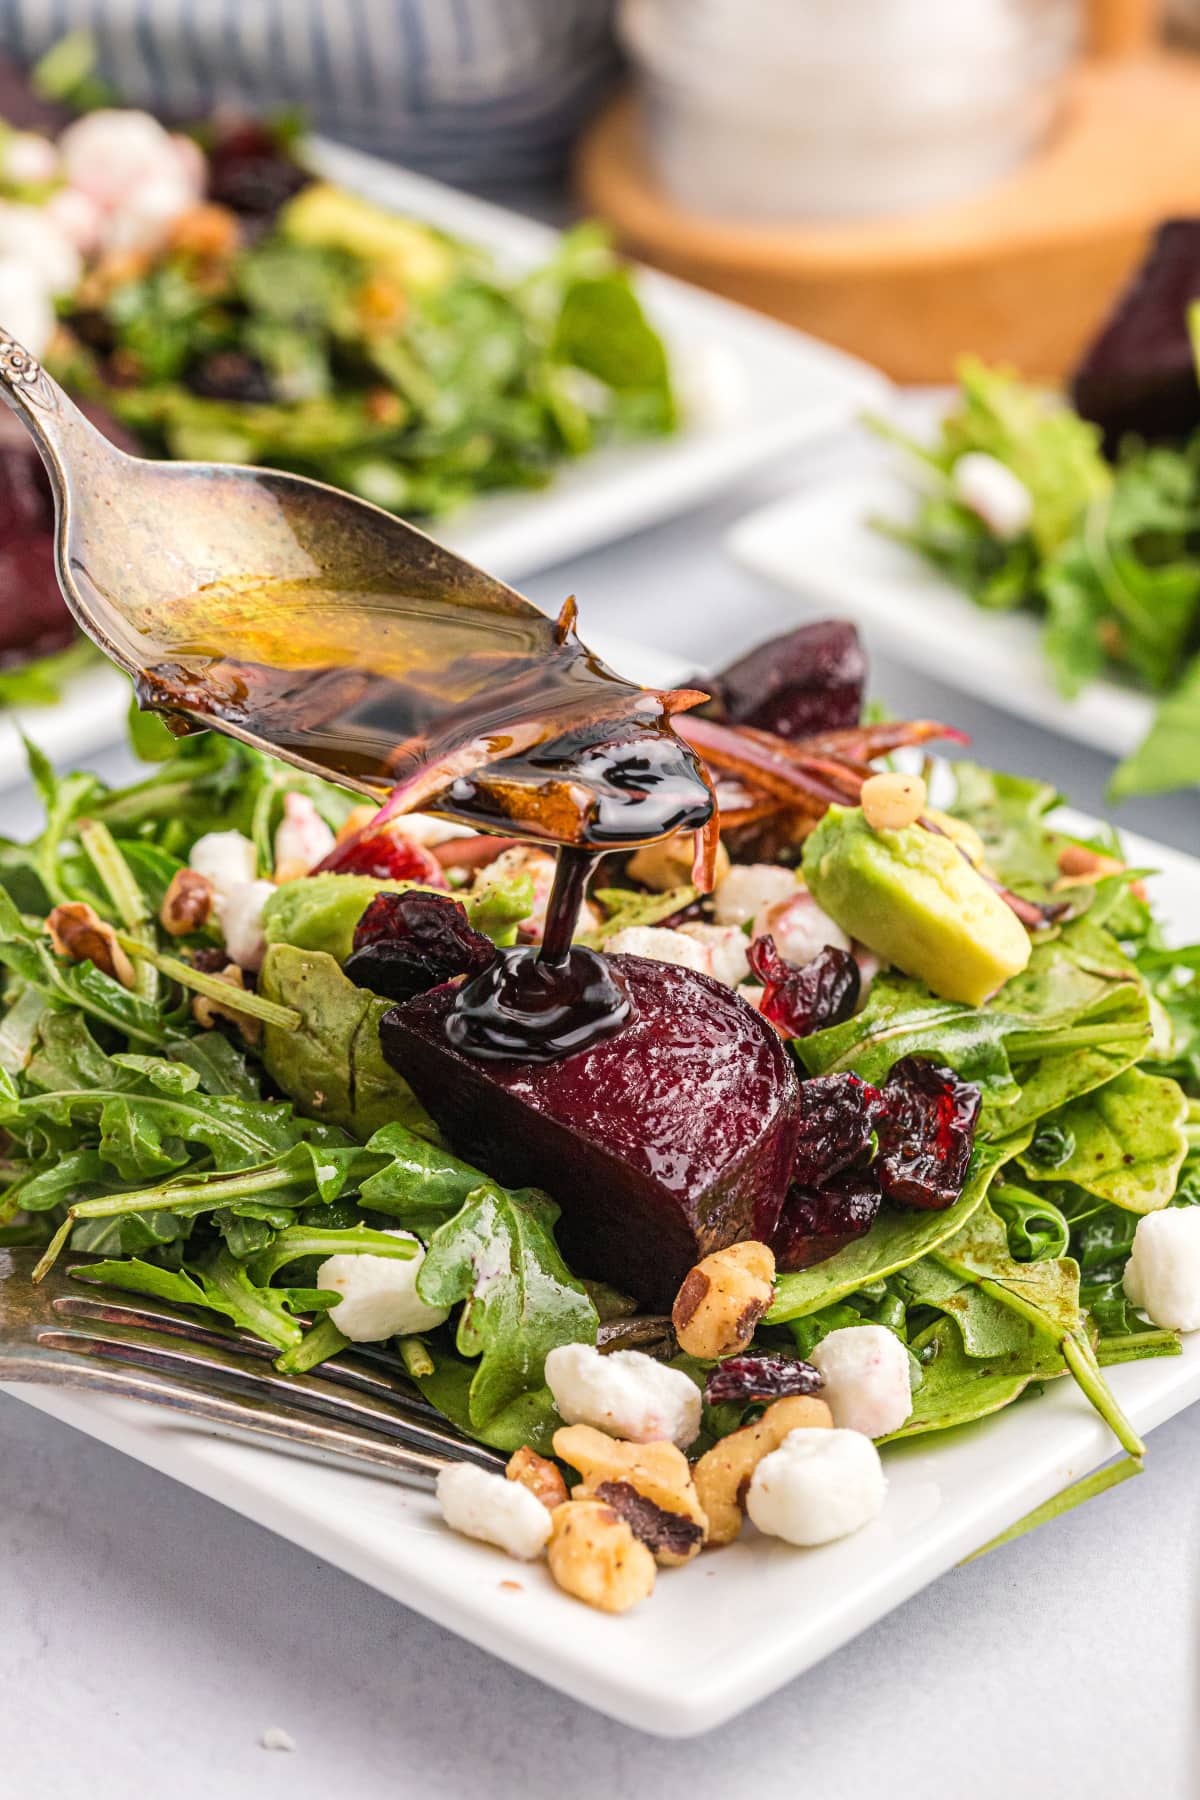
[(522, 731)]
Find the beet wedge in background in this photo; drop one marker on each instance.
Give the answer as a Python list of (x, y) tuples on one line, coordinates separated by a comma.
[(666, 1141), (1139, 376)]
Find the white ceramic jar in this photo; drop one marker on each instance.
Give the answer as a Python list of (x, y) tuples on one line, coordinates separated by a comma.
[(825, 109)]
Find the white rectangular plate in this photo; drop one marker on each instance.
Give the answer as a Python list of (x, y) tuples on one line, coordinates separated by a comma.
[(722, 1633), (750, 388), (820, 544)]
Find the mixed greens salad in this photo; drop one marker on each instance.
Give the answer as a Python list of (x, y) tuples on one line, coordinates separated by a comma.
[(1108, 553), (213, 1142), (207, 298)]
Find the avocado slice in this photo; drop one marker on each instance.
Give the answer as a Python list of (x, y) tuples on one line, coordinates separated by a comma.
[(404, 249), (912, 898)]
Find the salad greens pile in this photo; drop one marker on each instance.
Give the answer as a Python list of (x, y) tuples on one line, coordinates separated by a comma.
[(1087, 1063), (374, 352), (216, 1155), (1111, 557)]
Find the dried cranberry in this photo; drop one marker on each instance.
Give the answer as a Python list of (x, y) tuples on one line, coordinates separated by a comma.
[(251, 172), (406, 944), (230, 375), (926, 1133), (839, 1115), (803, 1000), (385, 854), (807, 681), (748, 1378), (818, 1222)]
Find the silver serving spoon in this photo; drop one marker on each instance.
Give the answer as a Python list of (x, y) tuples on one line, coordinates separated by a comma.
[(318, 627)]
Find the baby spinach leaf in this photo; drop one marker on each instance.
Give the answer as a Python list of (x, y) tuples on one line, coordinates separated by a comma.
[(1129, 1142), (958, 1388), (1169, 755), (901, 1017), (1010, 814), (332, 1065), (498, 1255), (1036, 1229)]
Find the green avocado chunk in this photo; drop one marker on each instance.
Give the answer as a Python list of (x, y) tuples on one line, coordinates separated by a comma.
[(912, 898)]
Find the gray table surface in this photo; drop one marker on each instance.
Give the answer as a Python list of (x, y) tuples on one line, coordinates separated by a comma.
[(148, 1637)]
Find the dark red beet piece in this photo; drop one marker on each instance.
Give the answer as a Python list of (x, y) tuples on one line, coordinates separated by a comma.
[(801, 1000), (405, 944), (230, 375), (387, 855), (805, 681), (926, 1134), (1139, 375), (749, 1378), (839, 1116), (818, 1222), (672, 1138)]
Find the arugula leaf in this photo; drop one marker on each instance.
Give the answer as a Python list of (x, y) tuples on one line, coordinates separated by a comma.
[(420, 1185), (1112, 1475), (498, 1255)]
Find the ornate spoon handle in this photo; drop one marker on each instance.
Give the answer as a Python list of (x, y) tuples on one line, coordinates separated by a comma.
[(61, 432)]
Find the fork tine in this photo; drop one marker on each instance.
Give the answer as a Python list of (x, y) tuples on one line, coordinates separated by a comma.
[(231, 1369), (283, 1427), (385, 1377)]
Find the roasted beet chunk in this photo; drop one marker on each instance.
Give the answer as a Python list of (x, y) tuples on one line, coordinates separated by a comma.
[(818, 1222), (806, 999), (671, 1138), (751, 1378), (806, 681), (386, 854), (405, 944), (926, 1133), (1140, 373), (839, 1116), (230, 375)]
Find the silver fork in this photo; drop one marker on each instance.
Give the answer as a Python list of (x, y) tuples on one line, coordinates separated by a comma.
[(360, 1410)]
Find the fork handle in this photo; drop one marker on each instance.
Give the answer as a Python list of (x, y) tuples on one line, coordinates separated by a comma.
[(284, 1426)]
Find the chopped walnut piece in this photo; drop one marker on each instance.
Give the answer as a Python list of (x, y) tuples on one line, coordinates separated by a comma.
[(187, 904), (723, 1473), (539, 1475), (206, 1011), (658, 1472), (669, 1535), (594, 1555), (79, 933), (1079, 867), (722, 1300)]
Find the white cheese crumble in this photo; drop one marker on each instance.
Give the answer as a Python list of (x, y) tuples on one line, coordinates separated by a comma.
[(819, 1485), (379, 1296), (625, 1393), (1162, 1276), (868, 1381), (497, 1511)]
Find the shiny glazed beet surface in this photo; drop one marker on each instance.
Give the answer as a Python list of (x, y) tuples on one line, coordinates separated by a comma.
[(405, 944), (801, 999), (818, 1222), (806, 681), (926, 1134), (668, 1140)]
